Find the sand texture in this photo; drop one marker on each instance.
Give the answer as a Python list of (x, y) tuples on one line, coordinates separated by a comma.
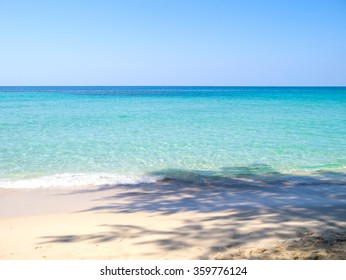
[(327, 246), (187, 219)]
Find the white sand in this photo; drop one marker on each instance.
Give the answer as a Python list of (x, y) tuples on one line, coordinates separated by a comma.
[(166, 220)]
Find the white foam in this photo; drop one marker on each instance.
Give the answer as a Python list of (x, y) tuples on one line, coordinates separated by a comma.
[(77, 180)]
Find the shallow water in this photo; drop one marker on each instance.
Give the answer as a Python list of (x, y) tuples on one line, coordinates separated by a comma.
[(53, 136)]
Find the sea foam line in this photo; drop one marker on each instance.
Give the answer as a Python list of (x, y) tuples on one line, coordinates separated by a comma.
[(77, 180)]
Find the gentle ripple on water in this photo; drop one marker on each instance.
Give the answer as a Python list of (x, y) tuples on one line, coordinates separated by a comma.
[(136, 131)]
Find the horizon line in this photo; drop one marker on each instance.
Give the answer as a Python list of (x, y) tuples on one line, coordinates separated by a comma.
[(172, 86)]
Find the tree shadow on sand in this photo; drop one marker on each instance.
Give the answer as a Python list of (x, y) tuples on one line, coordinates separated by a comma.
[(231, 208)]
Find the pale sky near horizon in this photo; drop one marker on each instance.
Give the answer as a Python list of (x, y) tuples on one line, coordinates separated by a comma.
[(191, 42)]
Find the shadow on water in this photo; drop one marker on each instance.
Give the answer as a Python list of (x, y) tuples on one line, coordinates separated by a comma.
[(248, 203)]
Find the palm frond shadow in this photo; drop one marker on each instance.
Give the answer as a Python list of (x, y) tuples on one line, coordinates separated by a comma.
[(233, 199)]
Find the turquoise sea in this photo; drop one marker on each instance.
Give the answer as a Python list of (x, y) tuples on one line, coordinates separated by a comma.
[(70, 136)]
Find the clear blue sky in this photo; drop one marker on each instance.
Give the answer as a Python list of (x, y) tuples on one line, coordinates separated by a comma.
[(189, 42)]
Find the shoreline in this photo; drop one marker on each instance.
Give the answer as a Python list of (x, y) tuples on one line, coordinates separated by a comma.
[(169, 219), (256, 174)]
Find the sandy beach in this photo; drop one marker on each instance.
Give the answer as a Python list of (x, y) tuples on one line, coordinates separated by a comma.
[(242, 218)]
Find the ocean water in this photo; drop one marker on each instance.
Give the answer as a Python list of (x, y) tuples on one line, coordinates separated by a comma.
[(74, 136)]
